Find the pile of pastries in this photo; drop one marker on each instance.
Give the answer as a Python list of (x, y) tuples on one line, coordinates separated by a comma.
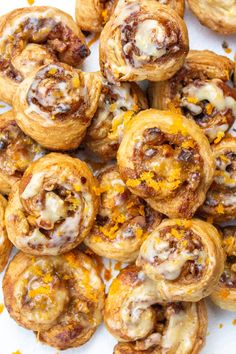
[(157, 181)]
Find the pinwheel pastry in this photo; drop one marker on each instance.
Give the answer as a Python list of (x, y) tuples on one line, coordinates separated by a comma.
[(201, 92), (166, 159), (185, 257), (220, 203), (61, 298), (116, 106), (224, 294), (51, 28), (143, 40), (122, 221), (17, 151), (218, 15), (5, 244), (91, 15), (52, 208), (55, 105), (134, 314)]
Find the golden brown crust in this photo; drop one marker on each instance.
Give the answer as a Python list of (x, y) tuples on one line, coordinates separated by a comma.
[(17, 151), (55, 105), (44, 25), (166, 159), (224, 294), (91, 15), (185, 257), (218, 15), (60, 297), (123, 219), (203, 70), (116, 106), (220, 203), (52, 209), (143, 40), (5, 244), (134, 313)]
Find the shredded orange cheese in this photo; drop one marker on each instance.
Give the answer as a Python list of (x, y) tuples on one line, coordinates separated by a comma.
[(41, 290), (229, 245), (219, 137), (188, 144), (17, 352), (224, 158), (209, 108), (193, 100), (178, 127), (220, 209), (1, 308), (115, 287), (76, 82), (133, 183), (52, 71), (184, 222), (224, 293), (31, 2)]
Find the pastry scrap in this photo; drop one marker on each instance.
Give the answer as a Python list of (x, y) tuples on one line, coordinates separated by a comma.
[(166, 159), (55, 105), (61, 298), (184, 257), (51, 28), (224, 294), (92, 15), (116, 106), (218, 15), (5, 244), (52, 208), (134, 314), (123, 219), (220, 203), (17, 151), (200, 91), (143, 40)]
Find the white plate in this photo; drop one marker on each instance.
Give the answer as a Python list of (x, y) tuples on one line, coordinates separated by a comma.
[(221, 335)]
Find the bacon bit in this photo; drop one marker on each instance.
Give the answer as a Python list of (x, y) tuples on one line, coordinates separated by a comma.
[(220, 209), (234, 322), (224, 293), (219, 137), (209, 109), (93, 39), (221, 325), (193, 100), (210, 219), (1, 308), (30, 2), (118, 266)]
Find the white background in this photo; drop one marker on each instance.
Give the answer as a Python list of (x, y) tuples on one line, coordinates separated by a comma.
[(219, 340)]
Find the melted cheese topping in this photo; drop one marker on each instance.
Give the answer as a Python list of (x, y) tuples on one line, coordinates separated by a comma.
[(34, 186), (55, 209)]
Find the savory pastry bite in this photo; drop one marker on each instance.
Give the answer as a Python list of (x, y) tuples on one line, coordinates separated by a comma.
[(224, 295), (220, 202), (134, 314), (123, 219), (143, 40), (200, 91), (61, 298), (55, 105), (185, 257), (218, 15), (166, 159), (117, 104), (52, 208), (52, 28), (5, 244), (92, 15), (17, 151)]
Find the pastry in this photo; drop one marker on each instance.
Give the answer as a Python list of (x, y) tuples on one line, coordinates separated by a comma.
[(224, 294), (218, 15), (184, 257), (5, 244), (47, 26), (55, 105), (116, 106), (91, 15), (166, 159), (220, 203), (200, 91), (52, 208), (133, 314), (123, 219), (17, 151), (143, 40), (61, 298)]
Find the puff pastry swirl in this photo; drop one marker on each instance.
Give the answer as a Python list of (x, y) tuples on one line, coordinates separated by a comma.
[(5, 244), (52, 208), (59, 297)]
